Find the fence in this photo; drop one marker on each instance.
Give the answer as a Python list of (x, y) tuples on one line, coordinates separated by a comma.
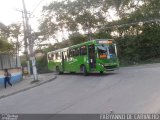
[(9, 61)]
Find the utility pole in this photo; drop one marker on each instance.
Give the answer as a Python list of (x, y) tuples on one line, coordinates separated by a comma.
[(28, 37), (25, 38), (25, 41)]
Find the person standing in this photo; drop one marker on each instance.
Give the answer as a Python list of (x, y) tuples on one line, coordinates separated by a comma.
[(25, 71), (7, 77)]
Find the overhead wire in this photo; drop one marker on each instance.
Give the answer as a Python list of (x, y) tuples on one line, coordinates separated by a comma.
[(35, 8)]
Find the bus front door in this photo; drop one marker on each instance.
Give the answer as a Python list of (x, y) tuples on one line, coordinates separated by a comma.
[(92, 57), (63, 61)]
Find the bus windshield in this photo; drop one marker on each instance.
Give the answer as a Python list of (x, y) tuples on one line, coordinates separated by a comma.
[(106, 50), (102, 51)]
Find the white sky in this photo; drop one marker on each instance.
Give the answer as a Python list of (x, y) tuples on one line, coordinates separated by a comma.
[(9, 13)]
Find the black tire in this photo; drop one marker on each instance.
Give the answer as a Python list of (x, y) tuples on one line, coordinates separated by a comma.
[(101, 72), (58, 70), (84, 70)]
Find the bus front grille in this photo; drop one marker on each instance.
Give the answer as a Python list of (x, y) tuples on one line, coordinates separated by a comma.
[(111, 67)]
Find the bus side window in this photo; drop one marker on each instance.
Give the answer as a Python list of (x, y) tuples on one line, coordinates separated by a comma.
[(56, 56), (76, 52), (68, 54), (59, 55), (52, 56), (72, 52), (83, 50), (65, 55), (49, 56)]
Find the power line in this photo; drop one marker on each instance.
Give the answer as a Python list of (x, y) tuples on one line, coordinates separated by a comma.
[(36, 8)]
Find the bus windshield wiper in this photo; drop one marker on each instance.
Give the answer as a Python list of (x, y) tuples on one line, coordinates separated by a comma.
[(102, 48)]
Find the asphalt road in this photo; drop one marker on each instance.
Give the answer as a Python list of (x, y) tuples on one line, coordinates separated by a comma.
[(128, 90)]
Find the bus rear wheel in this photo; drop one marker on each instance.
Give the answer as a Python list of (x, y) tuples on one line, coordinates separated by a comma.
[(58, 70), (84, 70)]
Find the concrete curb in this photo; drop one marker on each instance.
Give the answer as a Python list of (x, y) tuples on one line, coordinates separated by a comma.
[(25, 89)]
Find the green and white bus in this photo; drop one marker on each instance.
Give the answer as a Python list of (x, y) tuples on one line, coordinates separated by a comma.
[(98, 55)]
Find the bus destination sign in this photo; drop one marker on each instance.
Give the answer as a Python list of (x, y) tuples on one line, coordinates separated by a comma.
[(104, 42)]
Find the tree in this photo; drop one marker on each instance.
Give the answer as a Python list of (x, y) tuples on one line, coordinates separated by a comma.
[(136, 30), (77, 38), (73, 17), (15, 32), (5, 46)]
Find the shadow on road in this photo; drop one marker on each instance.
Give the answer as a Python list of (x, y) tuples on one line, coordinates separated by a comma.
[(90, 74)]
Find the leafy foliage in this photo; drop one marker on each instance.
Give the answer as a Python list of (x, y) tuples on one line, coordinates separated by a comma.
[(136, 31), (5, 46)]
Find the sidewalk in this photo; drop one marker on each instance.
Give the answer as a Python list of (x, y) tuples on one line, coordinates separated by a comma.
[(25, 84)]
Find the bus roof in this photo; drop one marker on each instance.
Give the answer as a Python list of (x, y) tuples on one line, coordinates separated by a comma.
[(87, 42)]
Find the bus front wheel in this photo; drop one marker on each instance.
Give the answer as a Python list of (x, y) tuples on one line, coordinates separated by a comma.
[(101, 72), (84, 70)]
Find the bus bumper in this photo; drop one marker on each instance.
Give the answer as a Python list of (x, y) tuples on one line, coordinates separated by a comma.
[(111, 67)]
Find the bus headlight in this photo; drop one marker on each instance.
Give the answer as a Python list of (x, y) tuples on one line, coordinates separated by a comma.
[(101, 65)]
